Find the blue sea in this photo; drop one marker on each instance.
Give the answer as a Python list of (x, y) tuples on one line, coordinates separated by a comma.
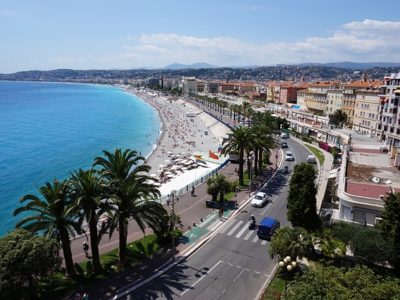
[(47, 130)]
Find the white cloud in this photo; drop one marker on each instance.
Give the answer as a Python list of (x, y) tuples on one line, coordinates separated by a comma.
[(368, 40), (9, 14)]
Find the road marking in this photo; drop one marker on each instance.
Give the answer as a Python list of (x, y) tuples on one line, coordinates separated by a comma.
[(268, 206), (227, 226), (220, 294), (248, 235), (257, 272), (235, 227), (245, 227), (239, 267), (263, 242), (255, 239), (197, 281), (240, 273)]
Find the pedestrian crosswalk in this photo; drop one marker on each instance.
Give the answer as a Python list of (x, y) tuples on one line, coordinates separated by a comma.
[(239, 229)]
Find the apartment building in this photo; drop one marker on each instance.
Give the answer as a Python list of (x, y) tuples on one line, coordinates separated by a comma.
[(315, 97), (366, 112), (212, 87), (389, 114), (201, 86), (189, 85), (334, 99)]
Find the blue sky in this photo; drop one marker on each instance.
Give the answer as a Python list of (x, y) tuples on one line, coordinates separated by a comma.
[(87, 34)]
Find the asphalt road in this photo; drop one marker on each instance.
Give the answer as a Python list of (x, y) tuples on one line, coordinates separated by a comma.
[(234, 264)]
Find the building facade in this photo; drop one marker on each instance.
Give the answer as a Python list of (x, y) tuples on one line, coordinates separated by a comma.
[(366, 112)]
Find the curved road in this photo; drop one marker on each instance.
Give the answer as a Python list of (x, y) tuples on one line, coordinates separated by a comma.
[(234, 264)]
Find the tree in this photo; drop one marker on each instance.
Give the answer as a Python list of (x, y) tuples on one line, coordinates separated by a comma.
[(369, 245), (265, 129), (218, 185), (302, 207), (25, 258), (241, 139), (329, 282), (293, 242), (390, 224), (131, 191), (338, 118), (53, 216), (88, 192)]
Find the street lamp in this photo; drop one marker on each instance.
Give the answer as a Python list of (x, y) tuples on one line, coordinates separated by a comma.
[(171, 204), (287, 266)]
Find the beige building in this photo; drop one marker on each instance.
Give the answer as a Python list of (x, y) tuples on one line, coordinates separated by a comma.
[(315, 97), (366, 112), (334, 101)]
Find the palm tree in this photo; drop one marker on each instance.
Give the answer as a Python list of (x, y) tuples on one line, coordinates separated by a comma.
[(265, 128), (88, 192), (294, 242), (241, 139), (130, 191), (53, 216)]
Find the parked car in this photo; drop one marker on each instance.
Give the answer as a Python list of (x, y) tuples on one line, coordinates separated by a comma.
[(289, 156), (267, 228), (284, 145), (259, 200), (311, 159), (284, 135)]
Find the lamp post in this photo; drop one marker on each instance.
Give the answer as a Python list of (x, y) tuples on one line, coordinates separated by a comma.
[(171, 204), (288, 266)]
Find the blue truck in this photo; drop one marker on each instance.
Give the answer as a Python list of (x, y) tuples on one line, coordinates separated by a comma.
[(267, 228)]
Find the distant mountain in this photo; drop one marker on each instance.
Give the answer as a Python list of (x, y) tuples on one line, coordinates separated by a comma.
[(177, 66), (355, 65)]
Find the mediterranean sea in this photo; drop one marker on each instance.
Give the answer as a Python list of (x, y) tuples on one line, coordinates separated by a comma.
[(48, 130)]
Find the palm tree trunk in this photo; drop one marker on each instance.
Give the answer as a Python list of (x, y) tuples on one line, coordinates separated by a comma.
[(241, 155), (66, 246), (260, 163), (122, 241), (94, 243), (256, 162)]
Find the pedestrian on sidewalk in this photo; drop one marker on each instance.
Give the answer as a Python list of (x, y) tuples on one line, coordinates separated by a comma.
[(85, 247), (192, 192)]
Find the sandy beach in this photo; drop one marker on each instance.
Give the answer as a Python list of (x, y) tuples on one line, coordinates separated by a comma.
[(186, 131)]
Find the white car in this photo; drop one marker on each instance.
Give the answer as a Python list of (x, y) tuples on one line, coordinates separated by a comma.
[(311, 159), (289, 155), (284, 135), (259, 200)]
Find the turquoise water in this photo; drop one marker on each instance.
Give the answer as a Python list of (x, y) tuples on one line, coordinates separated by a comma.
[(48, 130)]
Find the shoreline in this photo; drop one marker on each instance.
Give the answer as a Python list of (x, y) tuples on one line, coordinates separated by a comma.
[(185, 130)]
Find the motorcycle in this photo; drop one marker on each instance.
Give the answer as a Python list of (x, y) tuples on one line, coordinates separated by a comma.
[(252, 224)]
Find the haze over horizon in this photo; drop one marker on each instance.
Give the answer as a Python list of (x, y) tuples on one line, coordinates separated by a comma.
[(45, 35)]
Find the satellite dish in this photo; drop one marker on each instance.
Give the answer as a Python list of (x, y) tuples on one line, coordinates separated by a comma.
[(376, 179)]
